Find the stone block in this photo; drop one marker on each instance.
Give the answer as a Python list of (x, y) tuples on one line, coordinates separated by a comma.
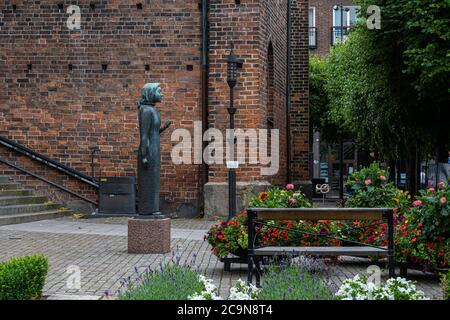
[(149, 235), (216, 196)]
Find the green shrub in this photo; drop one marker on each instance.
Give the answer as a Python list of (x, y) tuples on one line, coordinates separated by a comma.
[(432, 209), (23, 278), (280, 198), (170, 282), (293, 282), (445, 285), (369, 188)]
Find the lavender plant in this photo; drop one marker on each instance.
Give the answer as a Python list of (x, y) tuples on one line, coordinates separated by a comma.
[(295, 280), (171, 281)]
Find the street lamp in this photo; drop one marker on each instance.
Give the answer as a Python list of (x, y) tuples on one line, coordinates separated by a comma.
[(231, 80), (341, 139)]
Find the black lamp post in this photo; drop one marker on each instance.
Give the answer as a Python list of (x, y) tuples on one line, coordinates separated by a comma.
[(341, 139), (231, 80)]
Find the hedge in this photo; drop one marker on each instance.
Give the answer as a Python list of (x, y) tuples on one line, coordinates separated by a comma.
[(23, 278)]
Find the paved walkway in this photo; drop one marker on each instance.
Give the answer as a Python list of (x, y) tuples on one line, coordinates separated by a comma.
[(102, 229), (99, 248)]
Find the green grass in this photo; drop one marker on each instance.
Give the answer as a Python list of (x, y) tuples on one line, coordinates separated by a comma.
[(293, 282), (170, 282)]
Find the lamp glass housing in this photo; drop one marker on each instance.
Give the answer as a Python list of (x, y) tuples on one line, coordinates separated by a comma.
[(232, 70)]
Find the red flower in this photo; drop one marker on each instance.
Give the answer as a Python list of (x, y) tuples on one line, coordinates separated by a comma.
[(417, 203)]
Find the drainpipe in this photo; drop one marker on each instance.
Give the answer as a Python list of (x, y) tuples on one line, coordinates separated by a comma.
[(205, 101), (288, 94)]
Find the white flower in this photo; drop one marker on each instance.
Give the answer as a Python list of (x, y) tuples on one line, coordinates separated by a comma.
[(394, 289)]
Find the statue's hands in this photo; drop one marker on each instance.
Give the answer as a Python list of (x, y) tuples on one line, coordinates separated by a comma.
[(166, 126), (145, 162)]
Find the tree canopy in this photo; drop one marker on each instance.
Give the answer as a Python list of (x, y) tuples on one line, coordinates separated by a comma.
[(389, 87)]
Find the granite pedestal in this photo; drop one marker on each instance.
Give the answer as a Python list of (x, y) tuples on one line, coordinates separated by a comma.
[(149, 235)]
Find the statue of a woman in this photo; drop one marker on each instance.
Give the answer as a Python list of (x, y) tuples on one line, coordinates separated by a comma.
[(149, 158)]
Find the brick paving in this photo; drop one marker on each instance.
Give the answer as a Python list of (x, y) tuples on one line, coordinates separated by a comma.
[(101, 254)]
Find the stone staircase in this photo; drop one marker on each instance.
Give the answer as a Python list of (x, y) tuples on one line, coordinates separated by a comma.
[(18, 205)]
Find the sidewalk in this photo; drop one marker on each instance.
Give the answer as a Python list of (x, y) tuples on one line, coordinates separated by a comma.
[(99, 247)]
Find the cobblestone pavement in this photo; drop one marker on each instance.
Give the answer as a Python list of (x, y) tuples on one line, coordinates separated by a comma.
[(99, 248)]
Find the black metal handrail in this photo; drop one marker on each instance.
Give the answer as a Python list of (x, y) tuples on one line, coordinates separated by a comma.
[(48, 162), (73, 193)]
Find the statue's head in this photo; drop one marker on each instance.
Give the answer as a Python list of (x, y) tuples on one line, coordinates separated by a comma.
[(151, 93)]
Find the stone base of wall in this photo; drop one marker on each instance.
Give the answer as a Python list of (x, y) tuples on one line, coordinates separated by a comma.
[(178, 209), (216, 196)]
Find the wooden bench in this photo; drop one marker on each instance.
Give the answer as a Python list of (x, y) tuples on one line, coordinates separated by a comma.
[(258, 215)]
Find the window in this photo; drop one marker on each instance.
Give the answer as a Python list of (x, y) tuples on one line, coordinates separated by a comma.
[(312, 17), (312, 28), (343, 22)]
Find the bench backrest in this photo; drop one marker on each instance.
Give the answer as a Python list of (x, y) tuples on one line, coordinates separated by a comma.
[(320, 213)]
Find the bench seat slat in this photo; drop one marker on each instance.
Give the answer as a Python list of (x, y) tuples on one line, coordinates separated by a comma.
[(322, 251), (320, 213)]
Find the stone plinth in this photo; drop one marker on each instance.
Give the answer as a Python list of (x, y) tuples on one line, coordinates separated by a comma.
[(216, 196), (149, 235)]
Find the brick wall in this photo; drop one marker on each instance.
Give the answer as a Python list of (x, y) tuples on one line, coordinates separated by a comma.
[(252, 25), (56, 98), (64, 113), (300, 129)]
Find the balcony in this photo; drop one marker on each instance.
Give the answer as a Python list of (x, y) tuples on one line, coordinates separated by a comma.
[(312, 37), (339, 34)]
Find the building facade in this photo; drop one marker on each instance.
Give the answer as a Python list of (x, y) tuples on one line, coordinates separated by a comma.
[(325, 23), (71, 93)]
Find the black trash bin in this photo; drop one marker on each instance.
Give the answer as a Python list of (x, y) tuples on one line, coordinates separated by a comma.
[(117, 195)]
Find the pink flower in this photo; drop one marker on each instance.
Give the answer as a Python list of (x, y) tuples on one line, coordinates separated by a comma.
[(290, 186), (292, 201), (431, 190), (368, 182), (417, 203), (441, 185), (443, 200), (382, 178)]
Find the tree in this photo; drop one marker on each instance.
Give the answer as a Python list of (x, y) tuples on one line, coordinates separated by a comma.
[(390, 87), (319, 102)]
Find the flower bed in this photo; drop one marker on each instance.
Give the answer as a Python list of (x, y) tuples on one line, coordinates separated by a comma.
[(232, 236), (423, 232), (395, 289), (422, 224)]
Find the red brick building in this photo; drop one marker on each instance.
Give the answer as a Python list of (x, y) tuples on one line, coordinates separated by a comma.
[(325, 23), (64, 93)]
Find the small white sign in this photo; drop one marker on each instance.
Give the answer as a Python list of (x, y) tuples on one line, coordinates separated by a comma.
[(232, 164)]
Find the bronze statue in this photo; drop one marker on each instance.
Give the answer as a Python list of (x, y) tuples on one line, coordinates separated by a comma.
[(149, 158)]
